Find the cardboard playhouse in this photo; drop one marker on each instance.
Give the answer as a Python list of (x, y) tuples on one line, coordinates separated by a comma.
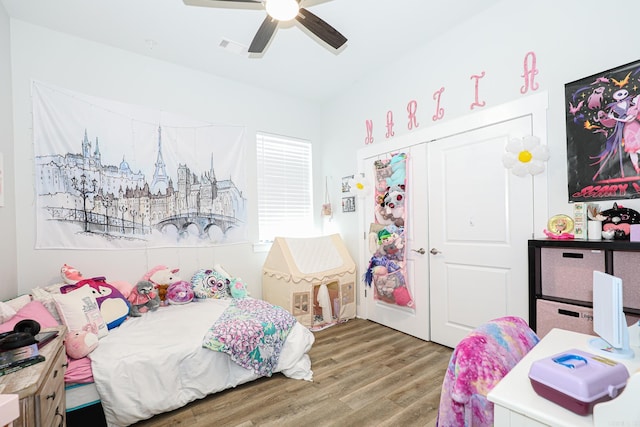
[(313, 278)]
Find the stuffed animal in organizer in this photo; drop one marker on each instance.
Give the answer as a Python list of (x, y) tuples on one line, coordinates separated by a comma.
[(402, 296), (179, 293), (143, 298), (398, 170), (393, 204), (113, 305), (391, 243), (162, 277), (80, 343)]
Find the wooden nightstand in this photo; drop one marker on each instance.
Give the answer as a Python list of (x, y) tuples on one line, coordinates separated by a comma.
[(40, 387)]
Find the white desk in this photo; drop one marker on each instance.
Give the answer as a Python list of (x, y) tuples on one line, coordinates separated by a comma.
[(9, 409), (517, 404)]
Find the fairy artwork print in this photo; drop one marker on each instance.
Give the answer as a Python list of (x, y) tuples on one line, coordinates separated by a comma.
[(603, 135), (386, 272)]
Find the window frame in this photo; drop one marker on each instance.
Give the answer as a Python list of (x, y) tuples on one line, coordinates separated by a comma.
[(286, 163)]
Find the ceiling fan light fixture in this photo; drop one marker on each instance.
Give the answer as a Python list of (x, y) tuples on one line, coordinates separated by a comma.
[(282, 10)]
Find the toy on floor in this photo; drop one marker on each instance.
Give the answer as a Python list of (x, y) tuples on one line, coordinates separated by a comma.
[(143, 299)]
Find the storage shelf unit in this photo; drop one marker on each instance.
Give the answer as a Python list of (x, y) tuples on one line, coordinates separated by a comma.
[(560, 280)]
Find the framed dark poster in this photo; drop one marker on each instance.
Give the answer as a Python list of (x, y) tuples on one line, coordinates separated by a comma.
[(603, 135)]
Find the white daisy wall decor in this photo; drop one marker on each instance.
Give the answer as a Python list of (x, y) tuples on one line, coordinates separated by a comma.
[(525, 156), (359, 185)]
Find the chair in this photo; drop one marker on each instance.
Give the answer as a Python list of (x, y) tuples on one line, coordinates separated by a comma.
[(477, 364)]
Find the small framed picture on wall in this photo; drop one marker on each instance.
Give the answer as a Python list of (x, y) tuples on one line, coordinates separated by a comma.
[(346, 183), (349, 204)]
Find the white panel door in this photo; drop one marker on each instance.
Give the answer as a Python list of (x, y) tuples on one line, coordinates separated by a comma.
[(480, 216), (414, 321)]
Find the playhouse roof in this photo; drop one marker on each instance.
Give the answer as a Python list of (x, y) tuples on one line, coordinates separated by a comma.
[(311, 258)]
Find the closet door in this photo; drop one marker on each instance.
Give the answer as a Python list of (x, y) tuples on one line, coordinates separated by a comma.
[(480, 216)]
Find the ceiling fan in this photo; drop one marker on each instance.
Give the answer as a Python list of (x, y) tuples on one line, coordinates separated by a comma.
[(282, 11)]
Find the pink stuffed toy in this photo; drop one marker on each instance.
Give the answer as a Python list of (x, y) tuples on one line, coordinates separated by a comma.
[(162, 277), (70, 275), (179, 293), (80, 343), (402, 296)]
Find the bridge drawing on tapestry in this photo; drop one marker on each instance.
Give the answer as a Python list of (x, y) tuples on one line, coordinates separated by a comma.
[(116, 203)]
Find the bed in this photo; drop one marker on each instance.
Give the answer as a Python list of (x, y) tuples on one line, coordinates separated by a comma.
[(157, 362)]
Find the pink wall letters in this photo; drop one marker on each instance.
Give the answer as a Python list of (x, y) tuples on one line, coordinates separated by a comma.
[(530, 70)]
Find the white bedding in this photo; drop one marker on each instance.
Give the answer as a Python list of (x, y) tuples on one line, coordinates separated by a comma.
[(156, 363)]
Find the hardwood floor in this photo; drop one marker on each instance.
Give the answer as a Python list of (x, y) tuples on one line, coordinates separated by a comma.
[(365, 374)]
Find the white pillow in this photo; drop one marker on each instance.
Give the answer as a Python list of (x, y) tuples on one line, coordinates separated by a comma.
[(6, 312), (79, 309), (46, 298), (19, 302)]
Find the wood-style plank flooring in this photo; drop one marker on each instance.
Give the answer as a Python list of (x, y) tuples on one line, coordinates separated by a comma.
[(365, 374)]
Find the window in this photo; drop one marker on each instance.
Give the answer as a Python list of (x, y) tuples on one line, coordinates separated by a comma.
[(285, 202)]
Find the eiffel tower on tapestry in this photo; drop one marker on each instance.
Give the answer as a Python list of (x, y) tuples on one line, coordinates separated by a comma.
[(160, 181)]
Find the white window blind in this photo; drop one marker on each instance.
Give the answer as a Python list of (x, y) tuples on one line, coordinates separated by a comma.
[(285, 202)]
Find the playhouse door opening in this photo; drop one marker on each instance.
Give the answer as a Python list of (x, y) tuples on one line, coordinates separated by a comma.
[(326, 303)]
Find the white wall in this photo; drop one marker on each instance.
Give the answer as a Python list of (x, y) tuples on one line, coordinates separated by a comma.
[(8, 266), (102, 71), (572, 39)]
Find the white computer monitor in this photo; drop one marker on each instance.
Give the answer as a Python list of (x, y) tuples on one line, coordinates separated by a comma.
[(609, 321)]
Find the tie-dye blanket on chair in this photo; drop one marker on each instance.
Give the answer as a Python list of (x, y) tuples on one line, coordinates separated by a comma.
[(252, 332), (477, 364)]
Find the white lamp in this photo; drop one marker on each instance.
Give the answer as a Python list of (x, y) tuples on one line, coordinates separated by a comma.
[(282, 10)]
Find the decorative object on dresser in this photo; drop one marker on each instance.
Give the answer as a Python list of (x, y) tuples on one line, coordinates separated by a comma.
[(41, 387)]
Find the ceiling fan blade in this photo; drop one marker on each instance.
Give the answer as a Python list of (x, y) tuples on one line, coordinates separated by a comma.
[(264, 34), (227, 4), (320, 28), (242, 1)]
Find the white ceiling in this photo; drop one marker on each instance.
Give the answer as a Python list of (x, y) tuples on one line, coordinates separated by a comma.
[(295, 62)]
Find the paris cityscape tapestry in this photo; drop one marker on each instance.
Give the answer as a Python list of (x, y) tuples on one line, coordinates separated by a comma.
[(111, 175)]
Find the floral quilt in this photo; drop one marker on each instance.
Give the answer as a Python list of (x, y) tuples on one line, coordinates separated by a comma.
[(252, 332)]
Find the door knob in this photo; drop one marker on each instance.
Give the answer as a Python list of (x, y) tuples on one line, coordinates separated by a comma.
[(421, 251), (434, 251)]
